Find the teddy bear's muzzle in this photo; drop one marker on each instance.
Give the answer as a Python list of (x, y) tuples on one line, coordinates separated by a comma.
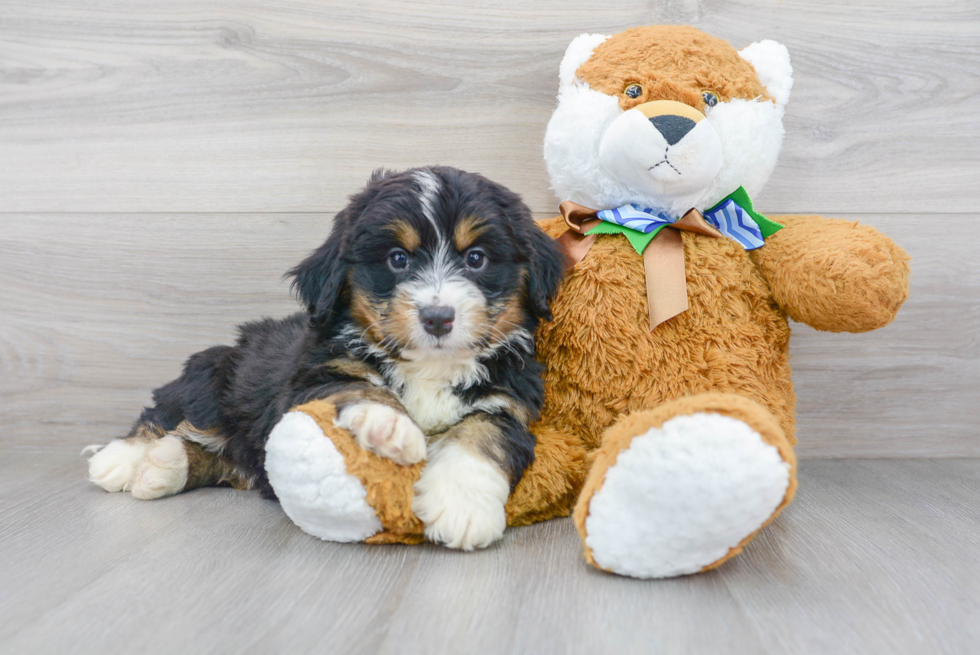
[(663, 149)]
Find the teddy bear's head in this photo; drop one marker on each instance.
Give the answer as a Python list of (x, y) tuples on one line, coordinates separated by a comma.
[(665, 117)]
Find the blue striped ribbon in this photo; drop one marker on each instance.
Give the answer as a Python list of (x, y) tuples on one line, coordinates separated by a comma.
[(728, 218)]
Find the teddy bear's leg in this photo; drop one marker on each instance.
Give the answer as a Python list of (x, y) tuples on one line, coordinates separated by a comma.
[(551, 484), (334, 489), (683, 487)]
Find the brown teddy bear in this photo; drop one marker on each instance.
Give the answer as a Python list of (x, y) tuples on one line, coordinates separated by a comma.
[(669, 410)]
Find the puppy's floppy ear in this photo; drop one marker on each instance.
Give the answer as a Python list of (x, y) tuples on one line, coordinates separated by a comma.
[(545, 260), (319, 279), (547, 268)]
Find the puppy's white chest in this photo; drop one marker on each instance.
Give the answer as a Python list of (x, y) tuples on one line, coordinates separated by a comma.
[(427, 391)]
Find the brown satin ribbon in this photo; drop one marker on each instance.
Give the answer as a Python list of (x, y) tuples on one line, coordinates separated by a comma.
[(663, 258)]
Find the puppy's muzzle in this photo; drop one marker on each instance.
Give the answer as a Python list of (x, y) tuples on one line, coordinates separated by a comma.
[(671, 118), (437, 320)]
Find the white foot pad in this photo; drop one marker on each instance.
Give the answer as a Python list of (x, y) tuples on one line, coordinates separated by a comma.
[(311, 481), (682, 495), (147, 469)]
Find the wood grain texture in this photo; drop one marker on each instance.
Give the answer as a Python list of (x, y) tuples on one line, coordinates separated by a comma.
[(96, 311), (245, 106), (873, 557)]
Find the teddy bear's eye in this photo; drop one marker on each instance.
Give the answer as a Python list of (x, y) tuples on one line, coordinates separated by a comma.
[(633, 90), (709, 98)]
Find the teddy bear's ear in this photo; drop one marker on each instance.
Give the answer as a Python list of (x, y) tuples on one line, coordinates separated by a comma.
[(771, 63), (577, 53)]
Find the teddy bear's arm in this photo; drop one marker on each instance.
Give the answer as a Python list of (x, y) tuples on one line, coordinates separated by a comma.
[(833, 274)]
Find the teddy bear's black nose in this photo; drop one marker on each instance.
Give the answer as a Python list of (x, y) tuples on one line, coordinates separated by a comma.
[(672, 127)]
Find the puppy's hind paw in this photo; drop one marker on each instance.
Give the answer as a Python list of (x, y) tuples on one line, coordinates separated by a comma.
[(113, 466), (384, 431), (164, 471)]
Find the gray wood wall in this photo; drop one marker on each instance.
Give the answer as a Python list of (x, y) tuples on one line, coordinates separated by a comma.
[(162, 164)]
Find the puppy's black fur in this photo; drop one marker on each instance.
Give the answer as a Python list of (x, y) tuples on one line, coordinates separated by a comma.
[(237, 393)]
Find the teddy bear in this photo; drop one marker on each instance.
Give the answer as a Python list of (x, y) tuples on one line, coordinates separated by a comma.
[(668, 424)]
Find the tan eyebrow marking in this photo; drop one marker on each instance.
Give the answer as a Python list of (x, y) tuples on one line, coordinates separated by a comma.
[(467, 231), (407, 235)]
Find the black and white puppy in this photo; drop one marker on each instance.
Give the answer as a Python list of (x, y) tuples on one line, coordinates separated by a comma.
[(420, 312)]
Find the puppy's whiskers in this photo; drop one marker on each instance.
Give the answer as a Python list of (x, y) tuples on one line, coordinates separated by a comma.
[(389, 343)]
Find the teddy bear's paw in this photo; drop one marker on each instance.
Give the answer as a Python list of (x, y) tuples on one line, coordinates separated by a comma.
[(113, 466), (384, 431), (312, 483), (681, 496), (460, 499)]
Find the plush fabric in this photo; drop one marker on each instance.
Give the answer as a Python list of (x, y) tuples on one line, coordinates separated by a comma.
[(672, 62), (834, 275)]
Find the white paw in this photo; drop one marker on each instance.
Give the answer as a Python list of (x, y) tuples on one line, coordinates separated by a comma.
[(163, 471), (460, 498), (682, 495), (384, 431), (113, 467)]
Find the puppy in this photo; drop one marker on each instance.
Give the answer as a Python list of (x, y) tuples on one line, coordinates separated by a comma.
[(420, 311)]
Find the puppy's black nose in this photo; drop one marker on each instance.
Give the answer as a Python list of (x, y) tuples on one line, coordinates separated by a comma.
[(437, 319), (673, 127)]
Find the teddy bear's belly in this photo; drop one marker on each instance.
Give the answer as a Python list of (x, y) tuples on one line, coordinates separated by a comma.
[(603, 360)]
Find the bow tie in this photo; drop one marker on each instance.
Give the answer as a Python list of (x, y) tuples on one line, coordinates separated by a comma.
[(663, 250)]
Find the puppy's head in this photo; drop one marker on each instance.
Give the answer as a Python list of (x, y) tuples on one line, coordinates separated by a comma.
[(432, 262)]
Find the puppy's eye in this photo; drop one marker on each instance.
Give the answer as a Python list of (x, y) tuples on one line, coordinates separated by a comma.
[(398, 260), (475, 259), (710, 98), (634, 90)]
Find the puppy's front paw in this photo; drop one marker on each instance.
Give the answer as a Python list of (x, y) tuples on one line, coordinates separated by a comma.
[(384, 431), (460, 499)]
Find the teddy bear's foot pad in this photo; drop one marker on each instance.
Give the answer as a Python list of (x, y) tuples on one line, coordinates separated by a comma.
[(681, 496), (310, 478)]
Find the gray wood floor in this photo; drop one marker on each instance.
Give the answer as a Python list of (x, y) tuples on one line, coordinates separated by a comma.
[(875, 556)]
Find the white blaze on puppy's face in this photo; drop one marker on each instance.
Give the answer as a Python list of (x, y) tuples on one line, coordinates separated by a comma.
[(440, 283)]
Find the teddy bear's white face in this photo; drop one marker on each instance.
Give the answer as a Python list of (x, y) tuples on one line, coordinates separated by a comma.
[(662, 153)]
